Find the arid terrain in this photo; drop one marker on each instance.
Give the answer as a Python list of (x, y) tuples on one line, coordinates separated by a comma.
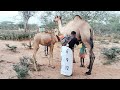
[(100, 71)]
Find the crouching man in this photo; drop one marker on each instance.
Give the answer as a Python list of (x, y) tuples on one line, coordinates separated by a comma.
[(70, 41)]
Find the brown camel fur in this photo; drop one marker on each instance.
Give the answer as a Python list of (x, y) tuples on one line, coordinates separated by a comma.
[(56, 32), (84, 33), (45, 39)]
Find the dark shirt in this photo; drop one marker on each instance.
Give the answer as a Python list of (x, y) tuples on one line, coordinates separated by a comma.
[(73, 42)]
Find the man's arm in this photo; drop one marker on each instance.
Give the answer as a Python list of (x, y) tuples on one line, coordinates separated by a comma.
[(77, 42)]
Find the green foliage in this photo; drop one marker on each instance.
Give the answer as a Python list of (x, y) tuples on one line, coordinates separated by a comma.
[(111, 54), (21, 25), (22, 67), (21, 71), (6, 25), (12, 48), (102, 22), (27, 46), (116, 36), (104, 42), (115, 41), (16, 35)]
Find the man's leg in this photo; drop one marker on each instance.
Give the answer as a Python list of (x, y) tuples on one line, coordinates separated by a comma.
[(81, 62), (73, 56)]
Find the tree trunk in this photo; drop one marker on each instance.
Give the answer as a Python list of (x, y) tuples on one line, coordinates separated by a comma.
[(26, 25)]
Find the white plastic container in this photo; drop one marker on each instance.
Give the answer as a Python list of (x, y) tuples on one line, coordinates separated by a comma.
[(66, 61)]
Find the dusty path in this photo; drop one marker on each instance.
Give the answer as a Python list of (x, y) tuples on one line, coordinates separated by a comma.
[(100, 71)]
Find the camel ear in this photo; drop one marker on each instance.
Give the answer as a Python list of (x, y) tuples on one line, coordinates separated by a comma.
[(55, 16), (60, 17)]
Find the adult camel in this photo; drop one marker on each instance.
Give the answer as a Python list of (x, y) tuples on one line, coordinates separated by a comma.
[(45, 39), (84, 33)]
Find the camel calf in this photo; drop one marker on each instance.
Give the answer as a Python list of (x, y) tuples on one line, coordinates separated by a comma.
[(45, 39)]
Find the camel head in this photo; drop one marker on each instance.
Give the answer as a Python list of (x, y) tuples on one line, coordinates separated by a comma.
[(57, 18), (56, 33)]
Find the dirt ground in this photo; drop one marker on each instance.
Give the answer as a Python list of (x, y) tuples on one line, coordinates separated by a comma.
[(100, 71)]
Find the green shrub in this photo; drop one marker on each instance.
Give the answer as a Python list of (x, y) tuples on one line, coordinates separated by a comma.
[(27, 46), (22, 67), (10, 35), (115, 41), (12, 48), (21, 71), (104, 42), (116, 36), (111, 54)]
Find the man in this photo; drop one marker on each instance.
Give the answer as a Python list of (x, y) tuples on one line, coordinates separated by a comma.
[(72, 43)]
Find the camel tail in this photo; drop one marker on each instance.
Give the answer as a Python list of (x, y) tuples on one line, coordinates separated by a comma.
[(91, 39)]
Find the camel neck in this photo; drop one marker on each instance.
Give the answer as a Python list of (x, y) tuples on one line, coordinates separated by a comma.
[(60, 24)]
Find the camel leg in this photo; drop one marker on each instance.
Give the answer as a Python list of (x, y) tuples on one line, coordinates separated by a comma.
[(36, 47), (46, 50), (91, 56), (51, 56), (81, 62)]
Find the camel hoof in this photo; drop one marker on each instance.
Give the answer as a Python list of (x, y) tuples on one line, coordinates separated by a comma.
[(35, 69), (52, 67), (88, 73), (49, 65), (82, 65), (88, 67)]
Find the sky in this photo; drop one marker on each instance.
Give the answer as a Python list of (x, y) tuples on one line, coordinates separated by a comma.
[(14, 16)]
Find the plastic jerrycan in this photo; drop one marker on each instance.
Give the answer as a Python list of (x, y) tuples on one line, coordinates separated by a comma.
[(66, 61)]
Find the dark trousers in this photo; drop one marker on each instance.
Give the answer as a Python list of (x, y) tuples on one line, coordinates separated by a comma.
[(73, 56)]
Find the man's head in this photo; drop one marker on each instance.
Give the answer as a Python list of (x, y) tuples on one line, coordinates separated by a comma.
[(73, 33)]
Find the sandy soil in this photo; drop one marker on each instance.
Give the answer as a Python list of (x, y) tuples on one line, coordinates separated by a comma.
[(100, 71)]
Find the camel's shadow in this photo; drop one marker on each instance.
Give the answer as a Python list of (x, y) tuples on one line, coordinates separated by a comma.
[(39, 67)]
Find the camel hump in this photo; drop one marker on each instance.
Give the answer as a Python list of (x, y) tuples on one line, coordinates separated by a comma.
[(77, 17)]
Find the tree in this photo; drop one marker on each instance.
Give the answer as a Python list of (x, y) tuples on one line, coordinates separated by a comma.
[(26, 16), (21, 25), (102, 22), (91, 16)]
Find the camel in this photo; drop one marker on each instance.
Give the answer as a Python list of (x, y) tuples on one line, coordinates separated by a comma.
[(56, 32), (84, 33), (45, 39)]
